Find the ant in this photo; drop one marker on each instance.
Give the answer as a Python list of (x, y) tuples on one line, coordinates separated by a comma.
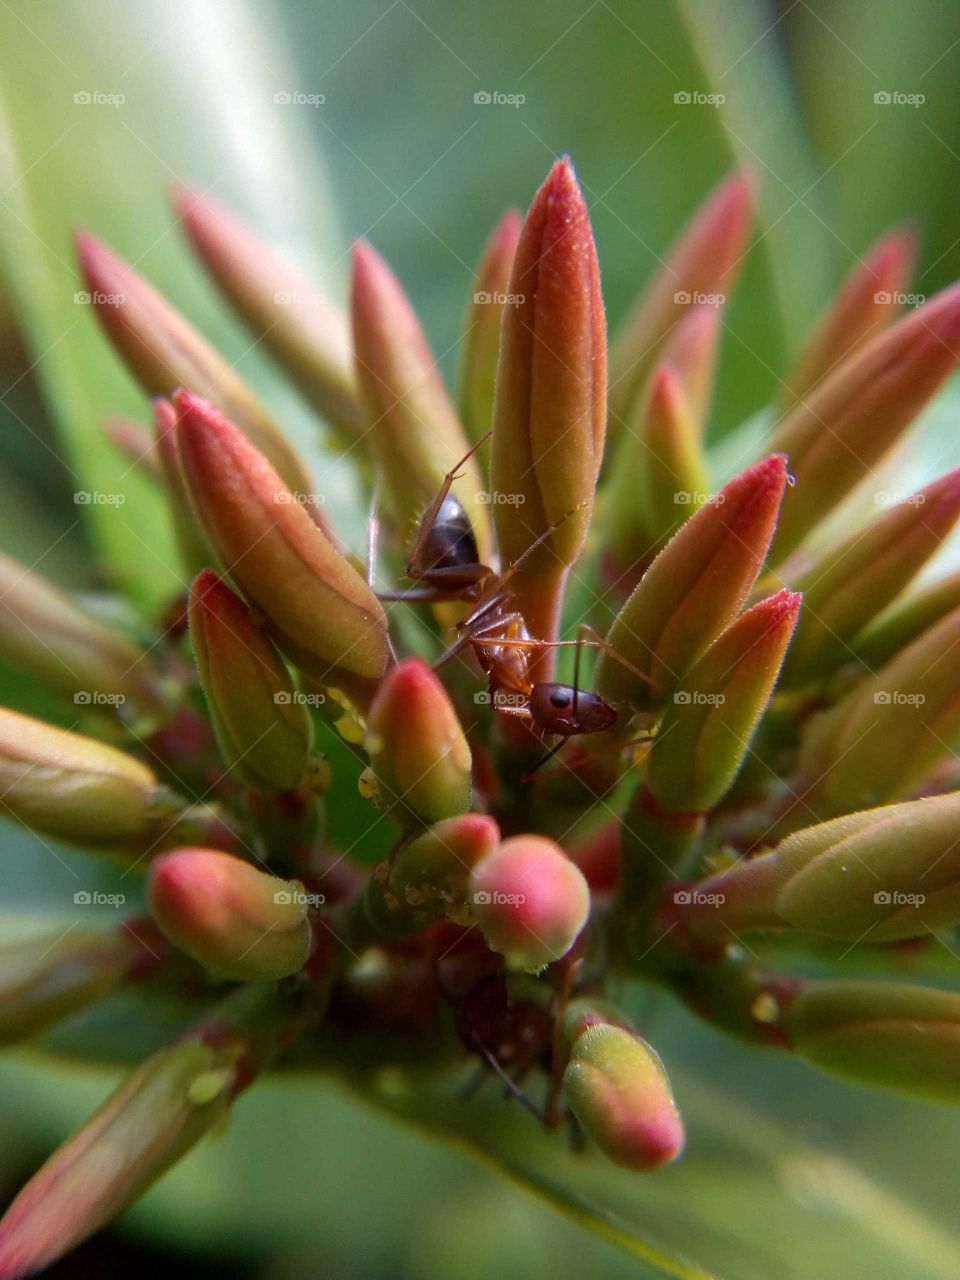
[(444, 562)]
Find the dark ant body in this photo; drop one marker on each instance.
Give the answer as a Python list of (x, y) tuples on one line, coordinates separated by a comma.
[(444, 561)]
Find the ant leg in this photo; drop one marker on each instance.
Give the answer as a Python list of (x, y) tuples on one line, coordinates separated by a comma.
[(511, 569), (511, 1086), (527, 775), (430, 517), (597, 641)]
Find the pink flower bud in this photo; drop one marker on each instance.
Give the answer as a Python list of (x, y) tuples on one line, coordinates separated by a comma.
[(530, 901), (238, 921), (417, 748)]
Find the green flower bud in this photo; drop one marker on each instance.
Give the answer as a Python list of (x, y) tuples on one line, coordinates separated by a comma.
[(68, 786), (892, 729), (481, 346), (856, 580), (703, 262), (45, 634), (427, 879), (163, 351), (46, 979), (705, 733), (694, 588), (301, 329), (618, 1089), (162, 1110), (877, 875), (888, 1034), (319, 610), (868, 301), (854, 416), (264, 731)]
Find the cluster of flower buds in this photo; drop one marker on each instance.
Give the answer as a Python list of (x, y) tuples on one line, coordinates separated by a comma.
[(335, 816)]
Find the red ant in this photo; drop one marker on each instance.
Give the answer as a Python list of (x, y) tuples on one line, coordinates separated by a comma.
[(445, 561)]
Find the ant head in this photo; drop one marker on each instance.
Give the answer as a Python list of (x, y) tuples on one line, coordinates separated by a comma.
[(563, 709), (451, 543)]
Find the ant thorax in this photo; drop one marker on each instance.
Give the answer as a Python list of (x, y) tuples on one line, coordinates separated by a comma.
[(507, 667)]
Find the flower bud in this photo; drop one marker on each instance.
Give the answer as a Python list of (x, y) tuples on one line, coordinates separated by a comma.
[(659, 476), (550, 412), (868, 301), (705, 734), (135, 442), (905, 620), (302, 330), (241, 923), (692, 348), (893, 1035), (618, 1089), (853, 582), (530, 901), (892, 729), (319, 610), (891, 872), (44, 633), (195, 552), (163, 351), (46, 979), (481, 351), (703, 263), (65, 785), (855, 415), (417, 748), (160, 1111), (694, 588), (427, 879), (263, 730), (415, 435)]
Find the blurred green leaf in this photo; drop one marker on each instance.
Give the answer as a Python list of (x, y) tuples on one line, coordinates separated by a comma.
[(100, 111)]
